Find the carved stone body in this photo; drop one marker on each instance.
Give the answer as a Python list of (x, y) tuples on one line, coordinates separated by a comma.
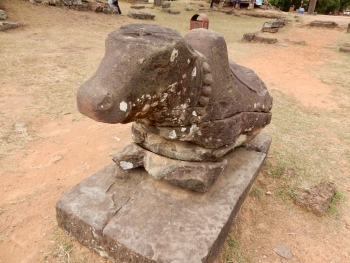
[(187, 100)]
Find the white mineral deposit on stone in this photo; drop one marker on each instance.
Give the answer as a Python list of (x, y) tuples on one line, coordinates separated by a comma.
[(145, 108), (194, 113), (123, 106), (194, 72), (148, 96), (174, 55), (193, 128), (183, 106), (183, 129), (172, 134), (165, 95), (254, 105), (188, 61), (241, 139), (126, 165)]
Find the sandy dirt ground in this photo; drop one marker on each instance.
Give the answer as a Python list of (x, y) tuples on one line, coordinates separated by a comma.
[(60, 150)]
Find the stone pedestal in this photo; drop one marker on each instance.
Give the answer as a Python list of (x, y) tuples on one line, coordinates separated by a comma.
[(130, 217)]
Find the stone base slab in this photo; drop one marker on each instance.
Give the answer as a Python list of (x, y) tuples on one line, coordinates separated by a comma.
[(130, 217)]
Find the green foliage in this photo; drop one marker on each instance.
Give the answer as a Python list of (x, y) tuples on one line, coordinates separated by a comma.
[(344, 4), (325, 6)]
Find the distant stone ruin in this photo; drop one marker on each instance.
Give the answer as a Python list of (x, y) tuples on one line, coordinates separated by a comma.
[(329, 24)]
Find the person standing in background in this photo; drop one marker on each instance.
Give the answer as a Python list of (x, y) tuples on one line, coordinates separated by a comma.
[(116, 4), (238, 4)]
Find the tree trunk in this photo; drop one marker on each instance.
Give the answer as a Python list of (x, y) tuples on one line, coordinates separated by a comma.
[(312, 6)]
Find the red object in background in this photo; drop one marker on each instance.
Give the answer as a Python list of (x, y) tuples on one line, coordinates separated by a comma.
[(199, 21)]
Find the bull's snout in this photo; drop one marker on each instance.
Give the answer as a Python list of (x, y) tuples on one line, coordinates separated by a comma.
[(98, 103)]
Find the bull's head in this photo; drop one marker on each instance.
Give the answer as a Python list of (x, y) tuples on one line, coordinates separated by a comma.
[(139, 75)]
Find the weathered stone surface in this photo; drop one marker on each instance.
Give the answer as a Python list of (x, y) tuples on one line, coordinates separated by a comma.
[(55, 2), (3, 15), (137, 6), (317, 198), (264, 40), (170, 101), (168, 86), (179, 150), (171, 11), (261, 143), (274, 24), (197, 176), (96, 7), (345, 47), (254, 37), (283, 251), (138, 219), (329, 24), (35, 1), (166, 4), (249, 36), (236, 130), (141, 15), (8, 25), (270, 29)]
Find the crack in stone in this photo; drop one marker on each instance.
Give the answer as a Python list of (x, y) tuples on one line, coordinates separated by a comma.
[(116, 213), (131, 196)]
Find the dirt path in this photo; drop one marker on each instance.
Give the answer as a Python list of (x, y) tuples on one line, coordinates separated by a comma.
[(57, 153)]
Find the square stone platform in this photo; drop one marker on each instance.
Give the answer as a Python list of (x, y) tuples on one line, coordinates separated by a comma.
[(130, 217)]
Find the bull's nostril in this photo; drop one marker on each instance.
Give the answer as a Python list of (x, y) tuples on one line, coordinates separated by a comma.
[(106, 104)]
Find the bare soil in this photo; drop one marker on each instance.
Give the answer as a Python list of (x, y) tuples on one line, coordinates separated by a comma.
[(56, 49)]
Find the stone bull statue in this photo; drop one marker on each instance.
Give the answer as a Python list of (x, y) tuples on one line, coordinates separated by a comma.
[(188, 103)]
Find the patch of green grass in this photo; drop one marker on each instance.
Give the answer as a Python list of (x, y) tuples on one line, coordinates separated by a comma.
[(257, 192), (233, 243), (337, 198)]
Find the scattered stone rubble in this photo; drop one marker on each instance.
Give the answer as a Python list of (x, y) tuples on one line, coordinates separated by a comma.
[(3, 15), (141, 15), (254, 37), (329, 24), (345, 48), (81, 5), (6, 24), (269, 27), (273, 26), (171, 11), (317, 198)]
